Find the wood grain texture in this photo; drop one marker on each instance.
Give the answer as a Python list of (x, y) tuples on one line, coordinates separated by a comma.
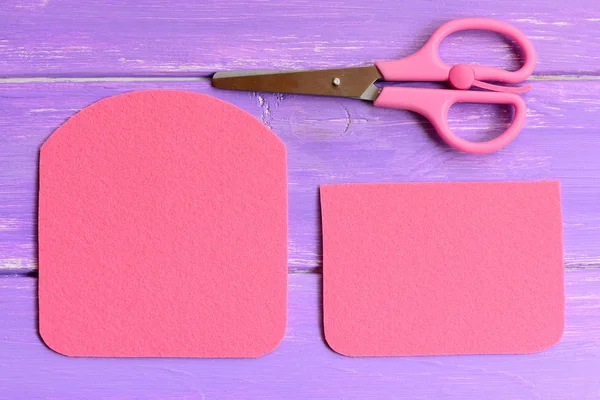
[(334, 141), (328, 141), (182, 37), (303, 367)]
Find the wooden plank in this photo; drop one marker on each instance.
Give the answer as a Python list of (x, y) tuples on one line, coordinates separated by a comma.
[(182, 37), (303, 367), (332, 141)]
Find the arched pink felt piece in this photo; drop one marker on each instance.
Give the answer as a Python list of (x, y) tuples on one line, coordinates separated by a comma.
[(434, 105), (442, 268), (163, 230)]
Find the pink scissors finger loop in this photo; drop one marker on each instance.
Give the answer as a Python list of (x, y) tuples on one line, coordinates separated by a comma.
[(434, 105)]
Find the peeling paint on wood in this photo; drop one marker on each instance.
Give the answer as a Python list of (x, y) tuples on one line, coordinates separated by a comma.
[(190, 38), (337, 140), (303, 366), (58, 56)]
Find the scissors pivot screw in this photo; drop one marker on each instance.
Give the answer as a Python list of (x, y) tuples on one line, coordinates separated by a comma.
[(336, 81)]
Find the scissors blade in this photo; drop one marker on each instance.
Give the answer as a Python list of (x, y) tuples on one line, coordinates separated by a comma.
[(355, 82)]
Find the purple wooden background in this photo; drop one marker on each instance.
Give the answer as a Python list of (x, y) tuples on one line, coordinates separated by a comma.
[(57, 56)]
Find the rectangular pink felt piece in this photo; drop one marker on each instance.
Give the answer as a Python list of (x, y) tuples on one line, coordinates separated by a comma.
[(442, 268)]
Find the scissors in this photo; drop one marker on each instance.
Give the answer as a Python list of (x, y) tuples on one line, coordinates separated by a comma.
[(423, 65)]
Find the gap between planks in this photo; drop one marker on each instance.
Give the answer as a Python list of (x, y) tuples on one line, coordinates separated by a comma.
[(206, 78), (33, 273)]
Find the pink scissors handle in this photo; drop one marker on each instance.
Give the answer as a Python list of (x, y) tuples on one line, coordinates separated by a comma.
[(434, 104), (426, 64)]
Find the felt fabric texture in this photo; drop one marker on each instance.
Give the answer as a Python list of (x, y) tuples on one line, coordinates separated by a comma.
[(442, 268), (163, 230)]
